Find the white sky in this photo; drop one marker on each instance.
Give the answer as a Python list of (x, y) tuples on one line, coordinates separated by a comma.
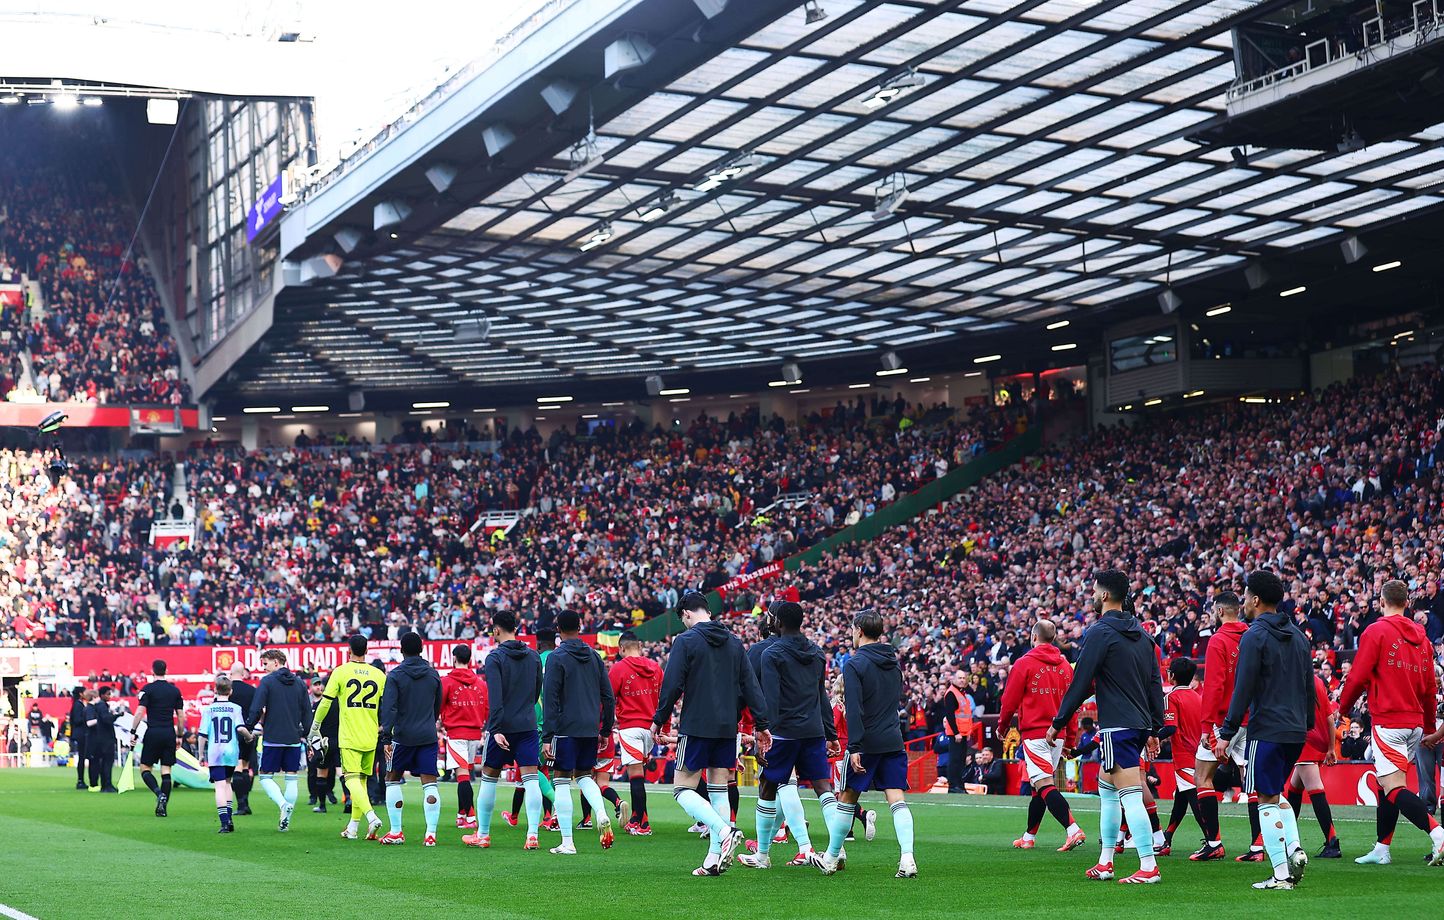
[(372, 58)]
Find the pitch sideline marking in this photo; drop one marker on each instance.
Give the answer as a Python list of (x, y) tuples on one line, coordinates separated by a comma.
[(14, 914)]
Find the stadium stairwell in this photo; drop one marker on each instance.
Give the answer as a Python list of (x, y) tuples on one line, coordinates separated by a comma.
[(872, 527)]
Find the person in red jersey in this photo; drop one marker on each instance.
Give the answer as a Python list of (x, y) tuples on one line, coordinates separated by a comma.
[(1395, 666), (1219, 663), (463, 716), (637, 685), (1182, 712), (1318, 748), (1036, 684)]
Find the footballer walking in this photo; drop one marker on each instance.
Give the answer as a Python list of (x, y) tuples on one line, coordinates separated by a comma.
[(410, 709), (1274, 686), (578, 710), (636, 687), (356, 687), (513, 684), (1119, 662), (708, 670), (280, 708), (463, 716)]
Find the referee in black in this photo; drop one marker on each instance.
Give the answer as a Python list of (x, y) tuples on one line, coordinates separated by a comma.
[(242, 694), (161, 708), (78, 734)]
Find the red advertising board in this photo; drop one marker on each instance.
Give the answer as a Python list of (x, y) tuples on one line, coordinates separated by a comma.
[(207, 659), (766, 573), (82, 415)]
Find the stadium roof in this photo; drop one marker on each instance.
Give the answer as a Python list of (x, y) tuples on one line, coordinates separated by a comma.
[(1042, 145)]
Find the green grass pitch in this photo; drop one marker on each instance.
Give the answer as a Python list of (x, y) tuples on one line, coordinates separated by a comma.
[(72, 854)]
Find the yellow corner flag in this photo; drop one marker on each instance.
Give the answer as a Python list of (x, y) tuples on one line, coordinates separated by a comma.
[(127, 773)]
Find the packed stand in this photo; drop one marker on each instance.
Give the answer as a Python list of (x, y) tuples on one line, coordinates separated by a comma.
[(1337, 491), (103, 336)]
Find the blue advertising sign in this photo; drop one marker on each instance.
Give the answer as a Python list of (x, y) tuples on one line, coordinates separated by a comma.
[(264, 211)]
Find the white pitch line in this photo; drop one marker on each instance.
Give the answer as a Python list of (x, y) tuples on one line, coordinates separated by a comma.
[(14, 914)]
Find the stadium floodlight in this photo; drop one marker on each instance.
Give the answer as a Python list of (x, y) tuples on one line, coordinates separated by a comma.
[(441, 404), (1066, 346), (1387, 266), (1058, 325), (162, 111), (598, 237), (260, 410), (892, 373), (66, 101), (919, 380), (554, 399), (893, 87), (1219, 310), (814, 12), (987, 359), (92, 101), (730, 169), (310, 408), (1153, 402), (1293, 290), (675, 391), (889, 196), (660, 207), (9, 99)]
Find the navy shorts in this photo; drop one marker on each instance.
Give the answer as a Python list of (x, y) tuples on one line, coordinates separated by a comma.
[(807, 756), (696, 753), (1270, 764), (879, 772), (416, 759), (574, 755), (222, 773), (277, 758), (525, 751), (1121, 748)]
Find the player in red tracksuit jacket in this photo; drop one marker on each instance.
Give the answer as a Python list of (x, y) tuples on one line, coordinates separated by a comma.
[(1307, 778), (1182, 708), (1220, 661), (1395, 665), (463, 716), (637, 687), (1036, 684)]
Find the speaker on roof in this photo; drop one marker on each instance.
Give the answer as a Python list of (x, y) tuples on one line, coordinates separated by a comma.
[(890, 361), (1354, 249), (356, 400), (626, 53), (654, 385), (791, 371)]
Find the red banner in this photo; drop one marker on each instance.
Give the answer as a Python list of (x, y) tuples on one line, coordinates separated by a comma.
[(768, 572), (82, 415), (11, 296)]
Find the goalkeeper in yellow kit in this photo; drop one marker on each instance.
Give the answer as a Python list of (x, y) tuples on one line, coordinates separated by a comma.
[(358, 687)]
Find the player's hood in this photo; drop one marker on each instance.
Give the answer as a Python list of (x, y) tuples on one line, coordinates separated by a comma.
[(1126, 625), (577, 649), (1404, 629), (514, 648), (715, 633), (879, 655), (412, 667), (463, 676), (799, 649), (1048, 654), (1278, 624)]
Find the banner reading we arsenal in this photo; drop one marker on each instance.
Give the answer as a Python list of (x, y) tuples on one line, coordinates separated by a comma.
[(768, 572)]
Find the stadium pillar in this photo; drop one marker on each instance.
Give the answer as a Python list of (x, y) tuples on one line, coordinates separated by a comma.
[(250, 433), (662, 413), (386, 428), (784, 407)]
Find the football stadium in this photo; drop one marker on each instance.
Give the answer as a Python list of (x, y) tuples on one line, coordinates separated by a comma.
[(947, 457)]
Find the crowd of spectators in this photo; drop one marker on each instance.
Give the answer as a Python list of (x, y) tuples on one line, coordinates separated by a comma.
[(102, 336)]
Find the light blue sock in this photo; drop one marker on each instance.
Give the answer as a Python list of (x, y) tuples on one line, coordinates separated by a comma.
[(393, 805), (1271, 826), (1291, 825), (790, 803), (766, 825), (291, 789), (1110, 819), (431, 806), (699, 809), (902, 822), (717, 796), (1131, 800), (486, 803), (593, 794), (838, 816), (533, 798), (272, 790), (564, 806)]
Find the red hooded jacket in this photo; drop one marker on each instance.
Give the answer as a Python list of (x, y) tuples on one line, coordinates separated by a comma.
[(637, 686), (1036, 684), (463, 704), (1219, 664), (1395, 666)]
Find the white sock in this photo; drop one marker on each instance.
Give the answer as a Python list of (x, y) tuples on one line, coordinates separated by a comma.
[(273, 791), (291, 790), (1028, 836), (1073, 828)]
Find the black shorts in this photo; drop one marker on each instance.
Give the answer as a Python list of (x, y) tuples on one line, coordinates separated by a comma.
[(158, 747), (248, 751)]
